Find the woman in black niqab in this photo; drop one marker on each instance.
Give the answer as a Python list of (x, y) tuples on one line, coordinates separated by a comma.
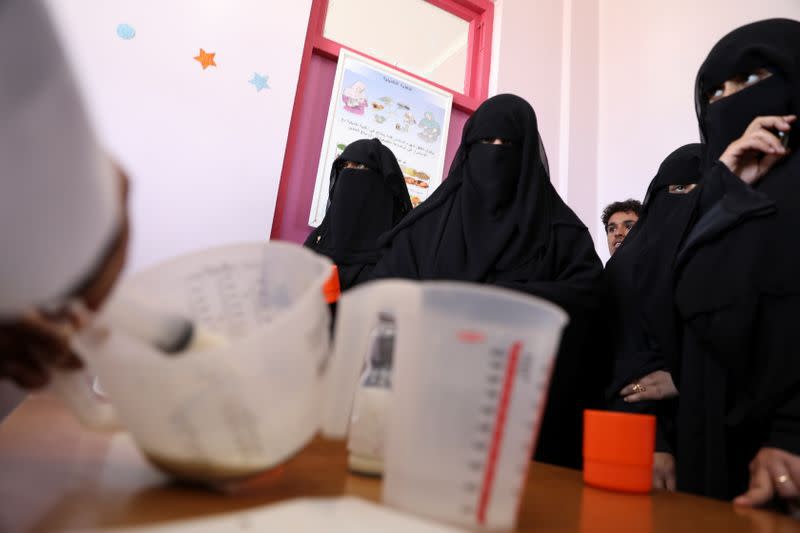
[(635, 347), (363, 203), (498, 220), (643, 360), (737, 287)]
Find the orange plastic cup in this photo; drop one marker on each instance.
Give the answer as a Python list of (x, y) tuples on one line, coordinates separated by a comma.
[(618, 450), (331, 290)]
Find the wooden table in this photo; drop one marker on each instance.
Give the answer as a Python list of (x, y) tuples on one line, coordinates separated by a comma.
[(55, 476)]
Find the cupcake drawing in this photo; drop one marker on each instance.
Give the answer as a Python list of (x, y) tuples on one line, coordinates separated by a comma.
[(355, 98), (430, 129)]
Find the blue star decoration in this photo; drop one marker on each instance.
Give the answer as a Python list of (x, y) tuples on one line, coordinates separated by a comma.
[(126, 32), (259, 81)]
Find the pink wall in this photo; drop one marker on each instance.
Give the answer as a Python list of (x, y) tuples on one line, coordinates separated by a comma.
[(527, 62), (579, 178)]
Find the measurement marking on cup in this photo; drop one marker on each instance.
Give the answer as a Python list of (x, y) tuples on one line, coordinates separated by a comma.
[(499, 430), (475, 466)]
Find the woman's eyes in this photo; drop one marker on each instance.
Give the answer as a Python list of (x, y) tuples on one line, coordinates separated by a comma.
[(495, 140), (752, 78), (736, 84), (681, 189), (716, 94)]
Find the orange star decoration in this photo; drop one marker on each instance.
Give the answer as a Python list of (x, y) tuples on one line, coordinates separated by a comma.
[(206, 59)]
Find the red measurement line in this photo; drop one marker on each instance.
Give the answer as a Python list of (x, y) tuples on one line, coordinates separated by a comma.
[(499, 429)]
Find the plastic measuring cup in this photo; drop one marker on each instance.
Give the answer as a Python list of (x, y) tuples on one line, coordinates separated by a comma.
[(470, 372), (232, 410)]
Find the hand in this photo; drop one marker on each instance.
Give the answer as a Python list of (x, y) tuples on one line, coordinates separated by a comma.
[(772, 471), (32, 345), (753, 154), (664, 471), (657, 385)]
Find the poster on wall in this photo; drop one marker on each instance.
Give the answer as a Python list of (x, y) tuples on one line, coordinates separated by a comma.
[(410, 117)]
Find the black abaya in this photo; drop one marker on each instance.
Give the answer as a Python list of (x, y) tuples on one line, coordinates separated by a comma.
[(498, 220), (737, 285), (636, 350)]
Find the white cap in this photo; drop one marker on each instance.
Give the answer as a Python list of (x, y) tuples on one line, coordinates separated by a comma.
[(59, 198)]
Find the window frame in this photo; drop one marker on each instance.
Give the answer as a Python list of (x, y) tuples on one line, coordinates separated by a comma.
[(478, 13)]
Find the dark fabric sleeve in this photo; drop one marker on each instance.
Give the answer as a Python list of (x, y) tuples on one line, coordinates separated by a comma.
[(663, 444), (574, 282), (399, 259), (719, 183), (666, 426), (725, 202), (785, 427), (778, 352), (311, 240), (582, 365), (576, 286)]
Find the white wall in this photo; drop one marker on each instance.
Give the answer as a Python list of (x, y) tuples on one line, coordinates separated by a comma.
[(204, 150), (649, 53)]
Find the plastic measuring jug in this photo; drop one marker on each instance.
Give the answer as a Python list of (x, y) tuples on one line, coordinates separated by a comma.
[(470, 372), (237, 407)]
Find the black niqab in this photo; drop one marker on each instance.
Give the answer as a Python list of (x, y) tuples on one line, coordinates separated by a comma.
[(497, 206), (765, 44), (363, 204), (498, 220)]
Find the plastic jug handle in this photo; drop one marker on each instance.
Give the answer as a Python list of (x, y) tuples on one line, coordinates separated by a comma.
[(74, 388), (355, 318)]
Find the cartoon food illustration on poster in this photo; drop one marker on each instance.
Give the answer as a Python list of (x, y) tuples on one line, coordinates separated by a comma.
[(430, 128), (418, 184), (355, 98), (407, 122)]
